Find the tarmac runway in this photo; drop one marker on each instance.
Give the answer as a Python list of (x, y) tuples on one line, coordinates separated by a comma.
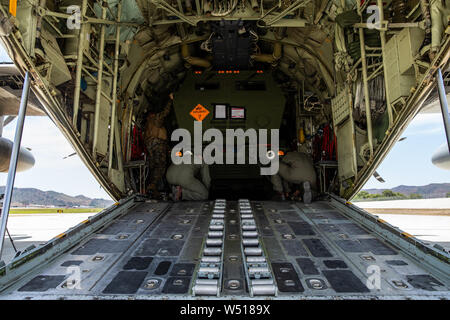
[(428, 228), (34, 229)]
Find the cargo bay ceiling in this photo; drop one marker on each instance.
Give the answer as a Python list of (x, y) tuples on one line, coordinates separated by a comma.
[(91, 73)]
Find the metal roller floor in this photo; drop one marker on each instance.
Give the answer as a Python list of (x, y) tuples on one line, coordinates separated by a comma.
[(158, 250)]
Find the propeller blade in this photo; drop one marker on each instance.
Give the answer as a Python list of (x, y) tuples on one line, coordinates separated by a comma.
[(8, 120), (70, 155), (378, 177)]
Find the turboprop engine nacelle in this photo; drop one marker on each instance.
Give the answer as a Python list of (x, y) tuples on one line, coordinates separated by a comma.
[(441, 158), (26, 159)]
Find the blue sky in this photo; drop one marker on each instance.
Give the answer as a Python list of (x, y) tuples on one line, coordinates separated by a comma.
[(51, 172), (408, 163), (4, 56)]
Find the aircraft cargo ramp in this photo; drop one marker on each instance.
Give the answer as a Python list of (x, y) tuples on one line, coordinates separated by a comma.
[(242, 249)]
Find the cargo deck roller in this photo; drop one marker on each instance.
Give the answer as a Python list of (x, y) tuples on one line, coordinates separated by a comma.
[(154, 250)]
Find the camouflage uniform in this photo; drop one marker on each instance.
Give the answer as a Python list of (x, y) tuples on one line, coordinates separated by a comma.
[(155, 139)]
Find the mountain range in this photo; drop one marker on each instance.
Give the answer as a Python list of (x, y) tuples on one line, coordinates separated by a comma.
[(28, 197), (23, 197), (434, 190)]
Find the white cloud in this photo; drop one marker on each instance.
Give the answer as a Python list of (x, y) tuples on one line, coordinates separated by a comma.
[(427, 119), (426, 124), (424, 132)]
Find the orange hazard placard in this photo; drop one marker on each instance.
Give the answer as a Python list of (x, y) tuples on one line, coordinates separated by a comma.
[(13, 7), (199, 113)]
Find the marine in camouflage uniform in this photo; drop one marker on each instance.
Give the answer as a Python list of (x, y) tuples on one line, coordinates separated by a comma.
[(155, 139)]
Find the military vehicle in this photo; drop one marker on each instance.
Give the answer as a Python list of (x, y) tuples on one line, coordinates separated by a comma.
[(340, 80)]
